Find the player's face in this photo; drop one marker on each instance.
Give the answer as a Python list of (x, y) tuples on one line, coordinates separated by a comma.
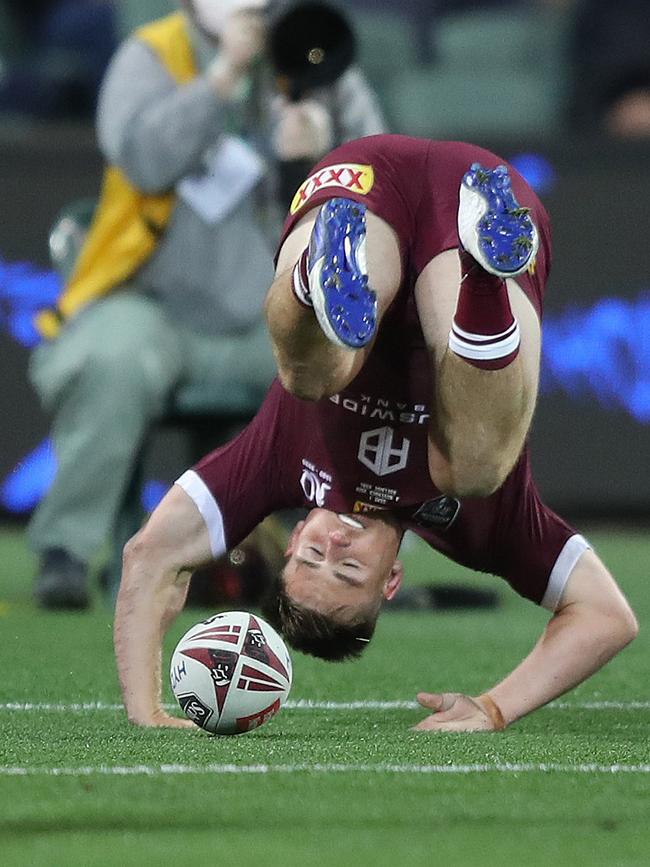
[(342, 564)]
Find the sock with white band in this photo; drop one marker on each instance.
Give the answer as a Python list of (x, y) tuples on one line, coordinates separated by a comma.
[(300, 280), (484, 330)]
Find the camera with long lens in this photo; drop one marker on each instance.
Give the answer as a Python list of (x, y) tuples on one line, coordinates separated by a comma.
[(311, 45)]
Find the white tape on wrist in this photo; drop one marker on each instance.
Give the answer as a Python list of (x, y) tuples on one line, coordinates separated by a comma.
[(300, 280)]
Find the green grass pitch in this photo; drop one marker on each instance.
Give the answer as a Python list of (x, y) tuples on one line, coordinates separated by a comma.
[(569, 785)]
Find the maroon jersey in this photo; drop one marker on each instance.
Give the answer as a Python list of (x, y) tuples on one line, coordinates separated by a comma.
[(365, 449)]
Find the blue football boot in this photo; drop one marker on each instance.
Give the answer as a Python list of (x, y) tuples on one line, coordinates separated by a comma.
[(493, 228), (346, 308)]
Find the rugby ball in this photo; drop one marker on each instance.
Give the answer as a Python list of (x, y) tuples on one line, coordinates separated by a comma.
[(231, 673)]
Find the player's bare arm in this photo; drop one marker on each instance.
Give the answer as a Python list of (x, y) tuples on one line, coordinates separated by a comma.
[(592, 623), (158, 563)]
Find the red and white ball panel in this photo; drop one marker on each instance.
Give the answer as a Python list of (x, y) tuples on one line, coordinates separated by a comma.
[(231, 673)]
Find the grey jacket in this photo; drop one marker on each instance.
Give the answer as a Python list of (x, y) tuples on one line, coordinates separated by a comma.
[(211, 276)]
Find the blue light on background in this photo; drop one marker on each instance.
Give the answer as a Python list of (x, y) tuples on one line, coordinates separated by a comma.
[(600, 352), (24, 290), (536, 169), (25, 486), (30, 480), (152, 494)]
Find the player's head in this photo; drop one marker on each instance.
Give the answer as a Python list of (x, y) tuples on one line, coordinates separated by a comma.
[(340, 568)]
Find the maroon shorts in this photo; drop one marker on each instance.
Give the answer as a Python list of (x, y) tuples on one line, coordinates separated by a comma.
[(413, 185)]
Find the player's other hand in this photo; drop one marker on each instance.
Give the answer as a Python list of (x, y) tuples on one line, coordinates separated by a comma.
[(161, 719), (455, 712)]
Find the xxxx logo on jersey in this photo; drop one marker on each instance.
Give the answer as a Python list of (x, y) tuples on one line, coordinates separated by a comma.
[(345, 176), (360, 506)]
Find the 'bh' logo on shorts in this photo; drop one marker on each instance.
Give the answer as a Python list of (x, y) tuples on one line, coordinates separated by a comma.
[(346, 176), (377, 453)]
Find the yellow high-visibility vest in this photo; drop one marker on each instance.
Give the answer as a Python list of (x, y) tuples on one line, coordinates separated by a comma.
[(127, 223)]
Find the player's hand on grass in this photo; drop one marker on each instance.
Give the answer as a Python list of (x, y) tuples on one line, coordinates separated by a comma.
[(455, 712), (161, 719)]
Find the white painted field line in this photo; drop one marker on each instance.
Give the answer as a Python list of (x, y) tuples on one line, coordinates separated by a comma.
[(298, 704), (600, 705), (309, 704), (238, 770)]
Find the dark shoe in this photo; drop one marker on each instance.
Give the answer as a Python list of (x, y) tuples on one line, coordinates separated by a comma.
[(61, 581)]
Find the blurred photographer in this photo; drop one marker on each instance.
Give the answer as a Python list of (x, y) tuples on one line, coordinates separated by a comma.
[(167, 288)]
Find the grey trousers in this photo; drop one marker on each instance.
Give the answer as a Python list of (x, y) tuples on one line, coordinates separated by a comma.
[(106, 378)]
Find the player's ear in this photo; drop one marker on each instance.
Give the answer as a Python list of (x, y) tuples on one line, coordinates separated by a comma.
[(293, 538), (394, 580)]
